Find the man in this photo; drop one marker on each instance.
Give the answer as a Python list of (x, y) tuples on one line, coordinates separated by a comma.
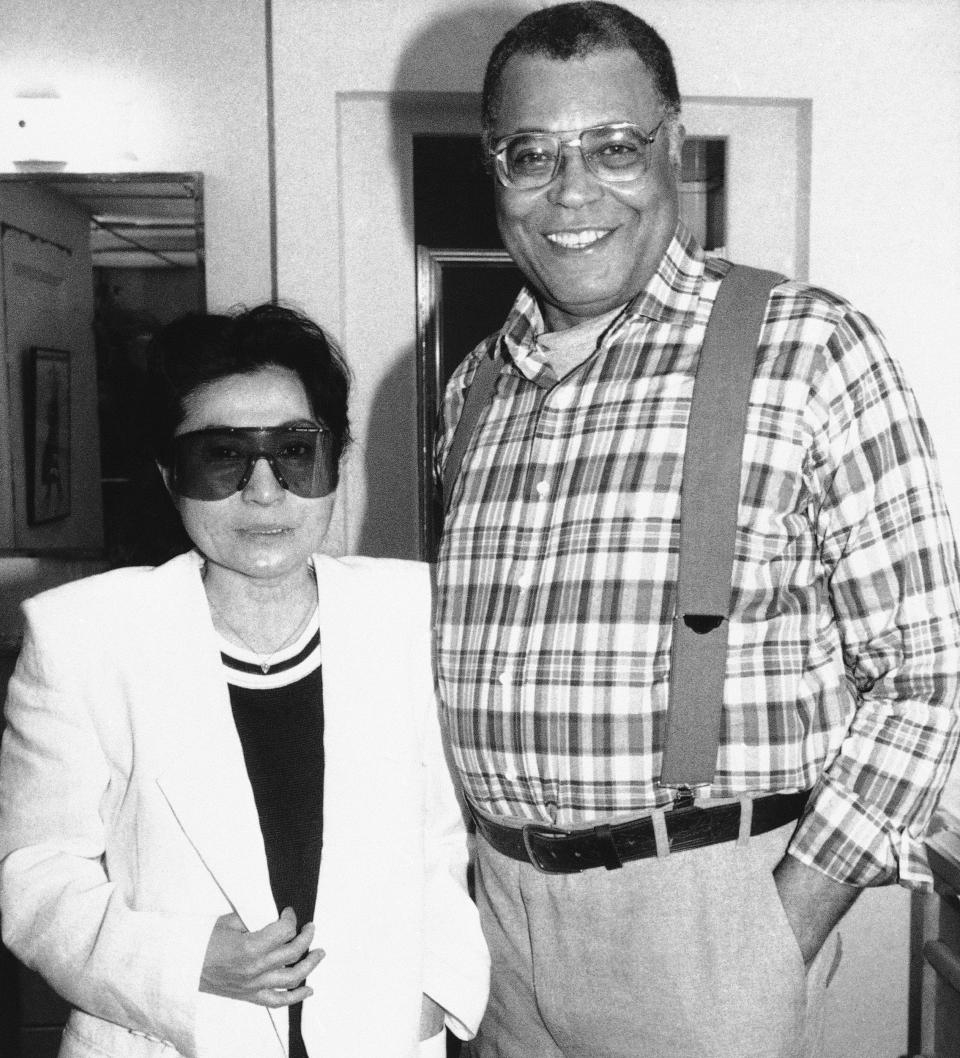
[(557, 589)]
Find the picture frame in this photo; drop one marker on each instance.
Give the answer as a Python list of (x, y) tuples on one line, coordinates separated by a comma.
[(47, 441), (462, 297)]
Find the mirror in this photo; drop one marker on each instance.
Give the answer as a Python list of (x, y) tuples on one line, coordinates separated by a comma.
[(74, 485)]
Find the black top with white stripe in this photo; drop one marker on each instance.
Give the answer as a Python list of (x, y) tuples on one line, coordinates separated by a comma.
[(279, 718)]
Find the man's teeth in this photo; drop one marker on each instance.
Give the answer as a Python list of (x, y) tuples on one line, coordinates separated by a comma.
[(576, 240)]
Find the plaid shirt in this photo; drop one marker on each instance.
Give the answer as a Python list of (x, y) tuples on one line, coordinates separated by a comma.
[(557, 577)]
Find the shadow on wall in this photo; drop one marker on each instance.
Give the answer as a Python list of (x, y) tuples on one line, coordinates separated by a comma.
[(432, 61), (386, 461)]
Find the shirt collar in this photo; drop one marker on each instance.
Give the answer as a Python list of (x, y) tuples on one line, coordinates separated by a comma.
[(671, 296), (673, 292)]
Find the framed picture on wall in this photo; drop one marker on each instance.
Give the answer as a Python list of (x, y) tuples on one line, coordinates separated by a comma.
[(462, 296), (47, 422)]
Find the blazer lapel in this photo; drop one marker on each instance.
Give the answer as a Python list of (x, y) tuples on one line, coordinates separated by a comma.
[(346, 739), (205, 782), (359, 734)]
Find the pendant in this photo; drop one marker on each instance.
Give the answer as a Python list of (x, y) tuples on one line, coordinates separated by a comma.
[(265, 667)]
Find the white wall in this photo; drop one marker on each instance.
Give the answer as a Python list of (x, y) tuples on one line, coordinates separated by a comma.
[(884, 80)]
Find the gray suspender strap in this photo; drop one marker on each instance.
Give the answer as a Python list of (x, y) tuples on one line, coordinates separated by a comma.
[(709, 502), (478, 396)]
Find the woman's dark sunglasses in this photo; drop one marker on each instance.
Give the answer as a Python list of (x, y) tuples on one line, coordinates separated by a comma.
[(214, 464)]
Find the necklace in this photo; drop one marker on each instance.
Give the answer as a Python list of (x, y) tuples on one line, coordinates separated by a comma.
[(264, 660)]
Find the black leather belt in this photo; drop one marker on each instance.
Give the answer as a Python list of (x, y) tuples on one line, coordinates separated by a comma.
[(556, 851)]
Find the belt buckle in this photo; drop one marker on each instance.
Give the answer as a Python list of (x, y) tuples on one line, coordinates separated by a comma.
[(604, 849), (530, 829)]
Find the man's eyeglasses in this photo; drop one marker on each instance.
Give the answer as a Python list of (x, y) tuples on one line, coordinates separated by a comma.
[(214, 464), (614, 153)]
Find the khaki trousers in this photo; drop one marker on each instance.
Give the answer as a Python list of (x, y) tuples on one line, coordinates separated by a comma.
[(685, 956)]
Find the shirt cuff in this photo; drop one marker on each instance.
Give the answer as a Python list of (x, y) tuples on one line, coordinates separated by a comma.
[(854, 843)]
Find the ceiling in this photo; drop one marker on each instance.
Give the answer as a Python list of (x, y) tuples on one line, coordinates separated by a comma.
[(138, 220)]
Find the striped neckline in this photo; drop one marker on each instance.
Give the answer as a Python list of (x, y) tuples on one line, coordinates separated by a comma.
[(302, 656)]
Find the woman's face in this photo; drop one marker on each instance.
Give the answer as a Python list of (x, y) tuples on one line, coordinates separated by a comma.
[(264, 531)]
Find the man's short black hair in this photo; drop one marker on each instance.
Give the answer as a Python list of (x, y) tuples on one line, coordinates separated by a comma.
[(568, 31)]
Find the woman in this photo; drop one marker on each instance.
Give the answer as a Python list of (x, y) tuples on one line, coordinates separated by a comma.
[(178, 767)]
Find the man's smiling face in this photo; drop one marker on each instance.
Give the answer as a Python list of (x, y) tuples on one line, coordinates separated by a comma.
[(587, 246)]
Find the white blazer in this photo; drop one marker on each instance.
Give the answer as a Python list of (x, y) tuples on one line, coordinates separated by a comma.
[(128, 825)]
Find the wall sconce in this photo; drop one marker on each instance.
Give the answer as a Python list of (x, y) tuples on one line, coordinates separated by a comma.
[(36, 129), (87, 132)]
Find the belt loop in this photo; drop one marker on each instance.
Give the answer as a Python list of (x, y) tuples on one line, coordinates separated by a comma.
[(746, 819), (611, 857), (660, 832)]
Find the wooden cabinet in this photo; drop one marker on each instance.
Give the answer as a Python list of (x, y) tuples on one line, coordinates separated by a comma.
[(940, 945), (31, 1014)]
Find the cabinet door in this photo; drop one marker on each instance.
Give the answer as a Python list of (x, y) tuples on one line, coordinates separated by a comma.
[(46, 302)]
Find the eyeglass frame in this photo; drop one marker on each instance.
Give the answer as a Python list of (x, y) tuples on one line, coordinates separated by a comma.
[(571, 138), (252, 457)]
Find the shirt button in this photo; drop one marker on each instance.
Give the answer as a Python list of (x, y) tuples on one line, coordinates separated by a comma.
[(543, 487), (524, 581), (553, 810), (564, 398), (505, 677)]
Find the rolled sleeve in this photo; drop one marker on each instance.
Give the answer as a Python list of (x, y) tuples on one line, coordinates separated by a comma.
[(887, 543)]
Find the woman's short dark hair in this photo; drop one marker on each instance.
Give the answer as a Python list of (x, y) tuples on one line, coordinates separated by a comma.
[(568, 31), (201, 348)]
